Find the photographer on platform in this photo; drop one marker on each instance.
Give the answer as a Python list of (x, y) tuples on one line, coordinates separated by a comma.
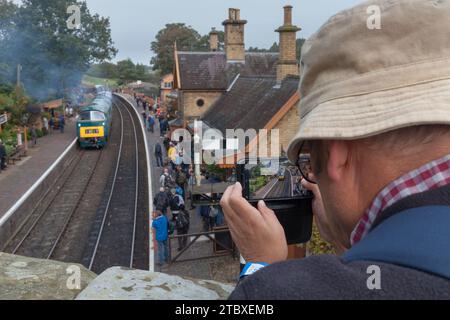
[(375, 116)]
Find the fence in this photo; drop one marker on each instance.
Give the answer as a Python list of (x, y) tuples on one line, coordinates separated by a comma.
[(225, 248)]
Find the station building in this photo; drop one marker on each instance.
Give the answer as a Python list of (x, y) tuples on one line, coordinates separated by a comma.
[(235, 89)]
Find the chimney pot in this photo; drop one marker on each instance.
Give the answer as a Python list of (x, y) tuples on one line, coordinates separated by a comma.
[(288, 15), (234, 14)]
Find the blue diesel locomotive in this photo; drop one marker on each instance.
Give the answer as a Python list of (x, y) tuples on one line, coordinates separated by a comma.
[(94, 122)]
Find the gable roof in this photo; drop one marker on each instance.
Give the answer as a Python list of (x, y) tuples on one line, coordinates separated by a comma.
[(252, 103), (211, 71)]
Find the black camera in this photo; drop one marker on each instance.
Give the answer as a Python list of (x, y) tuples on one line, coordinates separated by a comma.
[(278, 183)]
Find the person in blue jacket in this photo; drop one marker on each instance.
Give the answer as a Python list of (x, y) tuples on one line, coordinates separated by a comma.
[(160, 224)]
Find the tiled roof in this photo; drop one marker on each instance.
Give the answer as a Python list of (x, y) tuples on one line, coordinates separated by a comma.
[(251, 103), (211, 71)]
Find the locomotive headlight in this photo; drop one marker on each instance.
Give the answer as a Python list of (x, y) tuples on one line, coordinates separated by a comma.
[(79, 125), (103, 124)]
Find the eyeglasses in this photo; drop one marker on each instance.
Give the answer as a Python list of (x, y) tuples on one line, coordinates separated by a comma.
[(304, 165)]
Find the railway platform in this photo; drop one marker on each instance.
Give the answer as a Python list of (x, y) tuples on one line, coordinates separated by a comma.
[(18, 178), (221, 268)]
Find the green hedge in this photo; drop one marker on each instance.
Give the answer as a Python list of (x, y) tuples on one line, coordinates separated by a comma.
[(9, 149), (317, 245), (39, 133)]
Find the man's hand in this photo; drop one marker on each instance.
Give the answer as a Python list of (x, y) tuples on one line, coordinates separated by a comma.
[(257, 233)]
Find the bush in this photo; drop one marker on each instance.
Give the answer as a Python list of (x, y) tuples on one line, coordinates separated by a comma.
[(39, 133), (9, 149), (8, 137), (317, 245)]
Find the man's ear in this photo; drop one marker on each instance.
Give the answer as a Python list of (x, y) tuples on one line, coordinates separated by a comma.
[(338, 158)]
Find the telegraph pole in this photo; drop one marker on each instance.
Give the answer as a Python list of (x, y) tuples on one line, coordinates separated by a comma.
[(19, 70)]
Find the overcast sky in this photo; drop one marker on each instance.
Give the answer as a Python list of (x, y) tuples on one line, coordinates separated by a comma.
[(135, 23)]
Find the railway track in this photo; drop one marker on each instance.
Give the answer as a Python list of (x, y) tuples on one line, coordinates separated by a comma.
[(281, 189), (117, 233), (97, 211), (41, 233)]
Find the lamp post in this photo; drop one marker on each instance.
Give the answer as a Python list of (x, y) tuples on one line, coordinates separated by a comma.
[(19, 70)]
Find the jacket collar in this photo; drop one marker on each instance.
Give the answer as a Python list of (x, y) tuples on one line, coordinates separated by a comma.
[(417, 238), (436, 197)]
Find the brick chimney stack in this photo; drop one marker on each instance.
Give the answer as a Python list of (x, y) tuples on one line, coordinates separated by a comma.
[(234, 36), (288, 64), (214, 40)]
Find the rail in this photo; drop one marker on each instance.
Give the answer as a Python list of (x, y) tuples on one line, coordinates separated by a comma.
[(75, 208), (151, 248), (118, 241), (36, 185), (105, 214)]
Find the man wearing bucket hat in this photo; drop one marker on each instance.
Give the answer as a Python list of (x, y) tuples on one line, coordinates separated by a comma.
[(375, 115)]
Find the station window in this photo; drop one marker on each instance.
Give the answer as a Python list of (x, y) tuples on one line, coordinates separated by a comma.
[(200, 103)]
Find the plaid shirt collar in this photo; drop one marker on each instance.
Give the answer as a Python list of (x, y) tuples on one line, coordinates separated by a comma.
[(431, 176)]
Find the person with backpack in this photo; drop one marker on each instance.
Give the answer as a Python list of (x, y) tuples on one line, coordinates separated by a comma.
[(161, 226), (166, 179), (181, 179), (176, 204), (182, 224), (161, 201)]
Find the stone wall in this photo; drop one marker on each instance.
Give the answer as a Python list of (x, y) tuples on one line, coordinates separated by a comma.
[(288, 127), (24, 278), (190, 99), (125, 284)]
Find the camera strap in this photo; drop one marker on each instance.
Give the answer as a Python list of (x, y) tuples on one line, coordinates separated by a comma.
[(418, 238)]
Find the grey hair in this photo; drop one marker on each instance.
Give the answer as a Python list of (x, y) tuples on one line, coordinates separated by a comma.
[(403, 142), (407, 139)]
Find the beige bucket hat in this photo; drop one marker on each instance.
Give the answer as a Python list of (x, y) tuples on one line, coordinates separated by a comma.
[(359, 82)]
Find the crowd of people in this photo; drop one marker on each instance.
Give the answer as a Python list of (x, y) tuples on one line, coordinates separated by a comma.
[(55, 122), (170, 212), (153, 113), (170, 203)]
